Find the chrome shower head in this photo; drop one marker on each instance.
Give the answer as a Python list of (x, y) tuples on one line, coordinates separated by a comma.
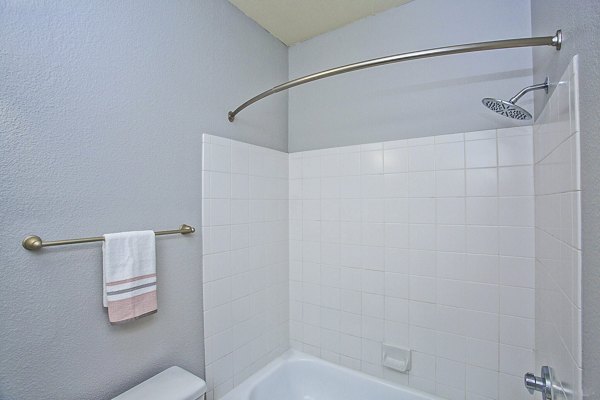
[(506, 108), (509, 108)]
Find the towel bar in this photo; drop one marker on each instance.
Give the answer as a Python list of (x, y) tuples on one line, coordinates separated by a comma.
[(34, 242)]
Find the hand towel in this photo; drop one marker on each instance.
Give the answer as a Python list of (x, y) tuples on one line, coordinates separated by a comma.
[(129, 275)]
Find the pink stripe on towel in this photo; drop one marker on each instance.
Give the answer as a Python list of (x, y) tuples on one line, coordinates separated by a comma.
[(132, 308)]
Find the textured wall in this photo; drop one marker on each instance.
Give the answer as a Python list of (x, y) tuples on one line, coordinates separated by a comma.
[(579, 21), (417, 98), (102, 107)]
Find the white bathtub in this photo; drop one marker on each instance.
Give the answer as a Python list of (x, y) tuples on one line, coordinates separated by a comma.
[(298, 376)]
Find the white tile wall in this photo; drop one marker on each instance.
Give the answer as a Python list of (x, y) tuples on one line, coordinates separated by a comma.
[(425, 243), (558, 234), (245, 259)]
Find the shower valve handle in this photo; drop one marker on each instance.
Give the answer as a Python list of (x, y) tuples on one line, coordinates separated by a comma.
[(541, 383)]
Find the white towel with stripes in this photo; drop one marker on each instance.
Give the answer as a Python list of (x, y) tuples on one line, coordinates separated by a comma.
[(129, 275)]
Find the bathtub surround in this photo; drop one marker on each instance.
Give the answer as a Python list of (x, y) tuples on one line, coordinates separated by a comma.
[(425, 243), (245, 259), (579, 21), (102, 107), (558, 234)]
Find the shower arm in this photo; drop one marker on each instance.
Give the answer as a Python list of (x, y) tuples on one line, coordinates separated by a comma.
[(528, 89), (555, 41)]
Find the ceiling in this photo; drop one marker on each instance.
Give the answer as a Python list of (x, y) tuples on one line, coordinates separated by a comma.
[(293, 21)]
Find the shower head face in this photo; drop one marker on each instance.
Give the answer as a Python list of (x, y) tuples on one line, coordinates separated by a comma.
[(506, 108)]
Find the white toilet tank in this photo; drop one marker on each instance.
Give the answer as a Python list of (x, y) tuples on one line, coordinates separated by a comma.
[(174, 383)]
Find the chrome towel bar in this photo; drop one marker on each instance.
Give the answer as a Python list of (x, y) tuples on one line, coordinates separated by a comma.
[(34, 242)]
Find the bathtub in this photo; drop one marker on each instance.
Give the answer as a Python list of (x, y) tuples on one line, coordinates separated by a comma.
[(298, 376)]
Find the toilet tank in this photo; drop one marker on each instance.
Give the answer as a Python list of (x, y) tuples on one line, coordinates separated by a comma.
[(173, 383)]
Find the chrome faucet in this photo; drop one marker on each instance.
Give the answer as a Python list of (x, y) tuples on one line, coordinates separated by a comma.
[(541, 383)]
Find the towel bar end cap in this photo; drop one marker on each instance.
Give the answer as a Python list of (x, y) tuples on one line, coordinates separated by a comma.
[(32, 242), (185, 229)]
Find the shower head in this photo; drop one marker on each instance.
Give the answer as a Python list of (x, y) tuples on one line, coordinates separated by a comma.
[(506, 108), (509, 108)]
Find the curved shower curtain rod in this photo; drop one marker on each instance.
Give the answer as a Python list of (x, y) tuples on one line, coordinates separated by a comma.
[(555, 41)]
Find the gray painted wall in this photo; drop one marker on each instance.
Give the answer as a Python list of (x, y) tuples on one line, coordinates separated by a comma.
[(580, 22), (417, 98), (102, 106)]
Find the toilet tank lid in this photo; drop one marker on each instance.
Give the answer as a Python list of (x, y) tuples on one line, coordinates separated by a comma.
[(173, 383)]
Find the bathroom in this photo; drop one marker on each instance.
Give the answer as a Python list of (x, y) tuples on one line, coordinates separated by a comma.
[(377, 234)]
